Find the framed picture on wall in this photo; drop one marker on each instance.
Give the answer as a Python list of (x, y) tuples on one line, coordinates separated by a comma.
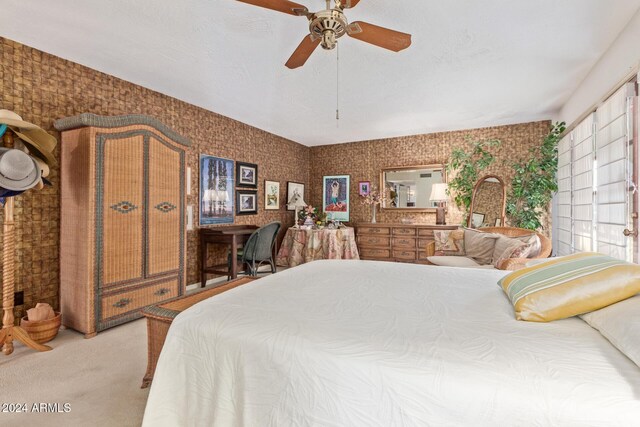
[(271, 195), (294, 188), (246, 202), (216, 190), (246, 175), (335, 197), (364, 188)]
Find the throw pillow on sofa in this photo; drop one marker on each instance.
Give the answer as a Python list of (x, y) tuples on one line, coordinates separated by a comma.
[(449, 242), (479, 246)]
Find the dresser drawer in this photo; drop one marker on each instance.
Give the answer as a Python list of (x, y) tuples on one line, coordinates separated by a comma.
[(404, 231), (373, 241), (374, 230), (425, 232), (404, 242), (124, 302), (375, 253), (404, 254), (424, 243)]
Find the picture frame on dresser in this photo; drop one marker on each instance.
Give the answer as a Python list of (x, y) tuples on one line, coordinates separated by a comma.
[(335, 197), (246, 175), (216, 198)]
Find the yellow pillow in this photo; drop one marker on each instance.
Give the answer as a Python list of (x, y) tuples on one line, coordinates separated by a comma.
[(569, 286)]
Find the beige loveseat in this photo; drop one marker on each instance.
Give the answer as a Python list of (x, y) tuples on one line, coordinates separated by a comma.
[(504, 264)]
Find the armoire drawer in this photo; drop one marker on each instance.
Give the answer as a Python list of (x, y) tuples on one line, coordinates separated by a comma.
[(126, 301), (373, 241), (425, 232)]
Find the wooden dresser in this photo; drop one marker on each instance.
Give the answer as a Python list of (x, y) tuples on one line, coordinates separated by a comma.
[(396, 242), (122, 226)]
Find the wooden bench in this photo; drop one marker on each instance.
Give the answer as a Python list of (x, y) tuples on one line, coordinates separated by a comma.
[(159, 318)]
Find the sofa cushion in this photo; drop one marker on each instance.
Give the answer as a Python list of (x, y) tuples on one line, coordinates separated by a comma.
[(508, 247), (453, 261), (449, 242), (479, 246)]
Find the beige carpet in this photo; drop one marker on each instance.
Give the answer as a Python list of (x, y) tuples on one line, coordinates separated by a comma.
[(100, 378)]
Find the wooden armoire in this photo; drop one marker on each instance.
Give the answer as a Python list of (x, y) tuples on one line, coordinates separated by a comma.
[(122, 225)]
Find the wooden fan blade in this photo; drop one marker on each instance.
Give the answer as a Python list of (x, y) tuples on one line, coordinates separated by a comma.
[(348, 4), (379, 36), (303, 52), (283, 6)]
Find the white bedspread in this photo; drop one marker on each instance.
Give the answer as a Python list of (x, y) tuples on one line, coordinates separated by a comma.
[(362, 343)]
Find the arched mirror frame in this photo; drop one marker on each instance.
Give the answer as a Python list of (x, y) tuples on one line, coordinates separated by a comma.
[(473, 199)]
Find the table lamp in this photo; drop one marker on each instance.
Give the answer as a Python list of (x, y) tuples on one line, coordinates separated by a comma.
[(439, 195), (296, 202)]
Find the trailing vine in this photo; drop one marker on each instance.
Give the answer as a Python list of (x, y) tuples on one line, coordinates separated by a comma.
[(535, 182), (464, 169)]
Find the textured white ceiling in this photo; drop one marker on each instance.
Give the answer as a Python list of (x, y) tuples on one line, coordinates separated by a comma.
[(472, 63)]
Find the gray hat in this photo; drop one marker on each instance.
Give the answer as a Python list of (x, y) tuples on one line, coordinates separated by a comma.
[(18, 170)]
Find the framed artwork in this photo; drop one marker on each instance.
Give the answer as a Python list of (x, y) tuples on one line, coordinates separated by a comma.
[(477, 219), (335, 197), (246, 202), (271, 195), (216, 190), (246, 175), (364, 188), (292, 189)]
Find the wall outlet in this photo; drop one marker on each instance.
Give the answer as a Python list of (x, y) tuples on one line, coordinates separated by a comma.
[(18, 298)]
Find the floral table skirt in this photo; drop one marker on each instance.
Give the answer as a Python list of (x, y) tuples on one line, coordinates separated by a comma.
[(300, 246)]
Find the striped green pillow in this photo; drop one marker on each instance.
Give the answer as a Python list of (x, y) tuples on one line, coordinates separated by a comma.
[(569, 286)]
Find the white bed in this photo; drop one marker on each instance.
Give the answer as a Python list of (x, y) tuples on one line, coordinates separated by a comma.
[(362, 343)]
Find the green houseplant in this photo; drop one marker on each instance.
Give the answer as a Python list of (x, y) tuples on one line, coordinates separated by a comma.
[(535, 182), (464, 169)]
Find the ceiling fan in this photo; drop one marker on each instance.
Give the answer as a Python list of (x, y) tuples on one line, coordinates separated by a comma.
[(326, 26)]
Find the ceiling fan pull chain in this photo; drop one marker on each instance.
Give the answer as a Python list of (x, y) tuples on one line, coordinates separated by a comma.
[(337, 84)]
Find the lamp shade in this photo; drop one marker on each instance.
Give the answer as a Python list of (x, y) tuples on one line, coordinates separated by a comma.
[(223, 196), (296, 201), (439, 192)]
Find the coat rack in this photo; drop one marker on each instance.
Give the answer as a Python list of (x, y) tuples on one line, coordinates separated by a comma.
[(9, 332)]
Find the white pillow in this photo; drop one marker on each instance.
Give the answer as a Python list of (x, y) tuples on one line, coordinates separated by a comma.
[(620, 324)]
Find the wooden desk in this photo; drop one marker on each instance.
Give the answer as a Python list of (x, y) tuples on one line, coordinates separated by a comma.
[(231, 236), (159, 318)]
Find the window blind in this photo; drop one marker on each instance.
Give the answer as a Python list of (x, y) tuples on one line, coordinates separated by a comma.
[(612, 183), (582, 185), (564, 205)]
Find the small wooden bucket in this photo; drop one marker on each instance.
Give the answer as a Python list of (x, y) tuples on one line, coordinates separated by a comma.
[(42, 331)]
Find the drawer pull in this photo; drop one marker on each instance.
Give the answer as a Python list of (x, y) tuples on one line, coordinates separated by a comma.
[(122, 303), (161, 291)]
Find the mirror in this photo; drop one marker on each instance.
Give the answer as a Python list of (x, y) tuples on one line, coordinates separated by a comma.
[(409, 187), (488, 203)]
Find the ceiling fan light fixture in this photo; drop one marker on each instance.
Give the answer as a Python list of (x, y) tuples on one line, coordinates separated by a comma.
[(328, 40)]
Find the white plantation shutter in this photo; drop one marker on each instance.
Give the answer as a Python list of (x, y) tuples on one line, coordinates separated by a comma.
[(564, 205), (613, 169), (582, 185), (595, 164)]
